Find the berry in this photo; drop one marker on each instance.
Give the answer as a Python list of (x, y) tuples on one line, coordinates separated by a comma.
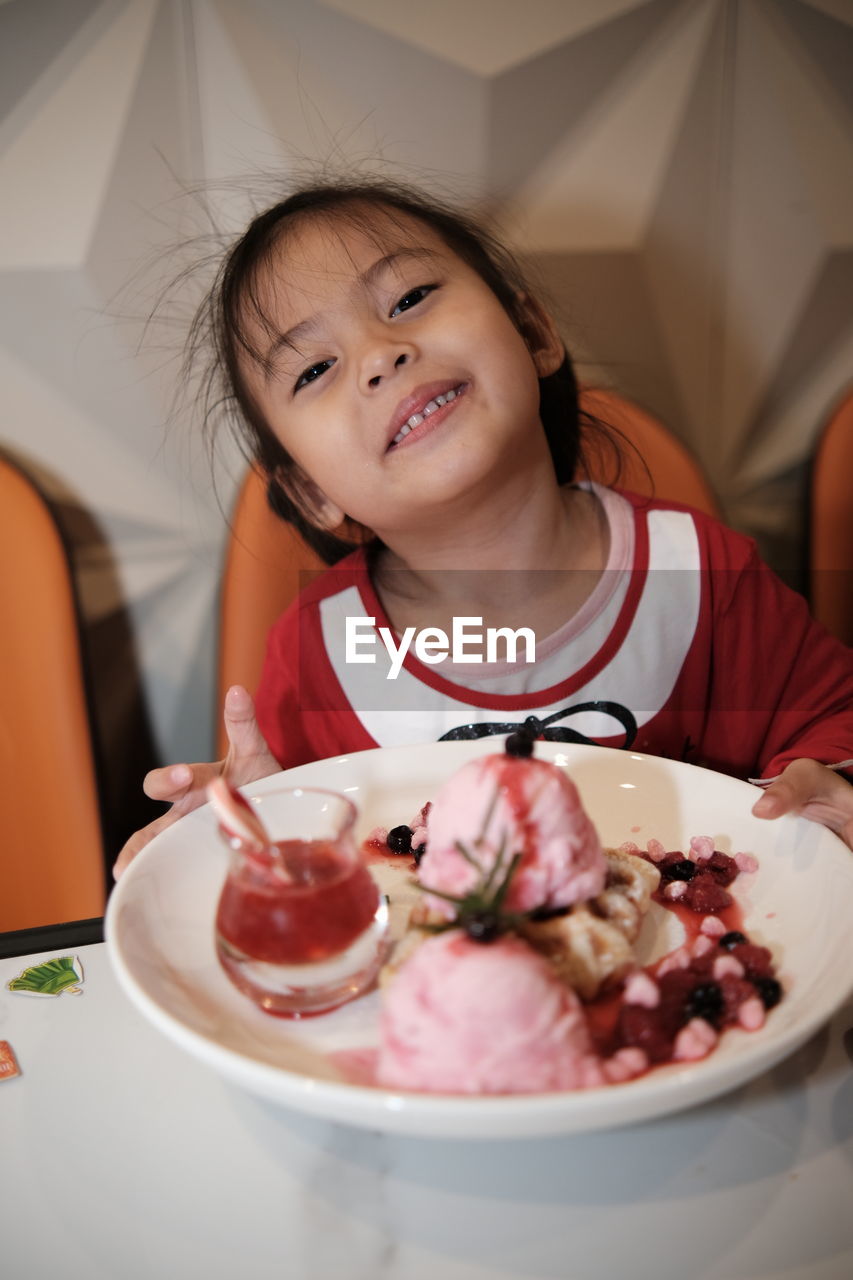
[(705, 1001), (731, 939), (418, 852), (676, 987), (669, 859), (757, 961), (683, 869), (703, 964), (736, 991), (484, 926), (400, 839), (520, 744), (644, 1029), (723, 868), (769, 991), (705, 895)]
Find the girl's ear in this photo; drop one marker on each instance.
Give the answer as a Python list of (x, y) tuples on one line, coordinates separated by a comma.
[(308, 498), (540, 333)]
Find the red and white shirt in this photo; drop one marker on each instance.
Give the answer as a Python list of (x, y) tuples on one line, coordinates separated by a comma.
[(689, 647)]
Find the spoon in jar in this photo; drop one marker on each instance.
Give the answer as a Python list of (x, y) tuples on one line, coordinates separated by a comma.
[(239, 822)]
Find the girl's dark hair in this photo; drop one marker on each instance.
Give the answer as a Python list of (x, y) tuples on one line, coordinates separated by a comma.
[(234, 308)]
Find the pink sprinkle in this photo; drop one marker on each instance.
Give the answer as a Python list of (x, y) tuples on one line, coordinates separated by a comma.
[(625, 1064), (641, 989), (701, 847), (629, 847), (746, 862), (655, 850), (675, 889), (727, 965), (712, 926), (750, 1015), (703, 945), (694, 1041), (678, 959)]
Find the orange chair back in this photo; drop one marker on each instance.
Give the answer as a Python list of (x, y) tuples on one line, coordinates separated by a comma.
[(264, 567), (265, 556), (673, 473), (52, 865), (831, 520)]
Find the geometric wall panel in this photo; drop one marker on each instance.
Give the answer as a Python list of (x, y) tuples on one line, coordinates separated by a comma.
[(55, 230), (679, 176)]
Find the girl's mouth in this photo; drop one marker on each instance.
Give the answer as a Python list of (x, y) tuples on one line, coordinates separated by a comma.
[(431, 407)]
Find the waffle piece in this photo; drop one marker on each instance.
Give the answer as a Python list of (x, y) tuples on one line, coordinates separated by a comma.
[(628, 890), (590, 946)]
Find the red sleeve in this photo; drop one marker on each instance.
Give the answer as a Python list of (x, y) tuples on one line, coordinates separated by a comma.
[(779, 679)]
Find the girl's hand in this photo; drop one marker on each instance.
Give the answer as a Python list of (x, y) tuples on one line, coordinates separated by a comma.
[(183, 785), (810, 789)]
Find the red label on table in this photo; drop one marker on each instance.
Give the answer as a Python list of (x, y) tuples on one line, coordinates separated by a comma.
[(8, 1062)]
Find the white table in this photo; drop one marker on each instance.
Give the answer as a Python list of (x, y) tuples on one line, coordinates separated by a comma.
[(125, 1159)]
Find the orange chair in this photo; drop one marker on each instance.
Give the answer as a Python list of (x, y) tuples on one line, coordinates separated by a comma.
[(264, 567), (673, 473), (831, 523), (265, 556), (52, 866)]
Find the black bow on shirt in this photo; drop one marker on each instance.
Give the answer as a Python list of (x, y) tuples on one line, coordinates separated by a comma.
[(547, 728)]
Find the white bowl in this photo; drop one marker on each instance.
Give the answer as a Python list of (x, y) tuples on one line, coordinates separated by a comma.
[(159, 932)]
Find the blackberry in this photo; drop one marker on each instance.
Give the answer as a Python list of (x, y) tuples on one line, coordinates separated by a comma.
[(684, 869), (732, 939), (769, 991), (484, 926), (400, 839), (520, 744), (705, 1001), (418, 852)]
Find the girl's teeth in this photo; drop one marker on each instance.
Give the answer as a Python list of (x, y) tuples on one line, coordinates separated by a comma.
[(417, 418)]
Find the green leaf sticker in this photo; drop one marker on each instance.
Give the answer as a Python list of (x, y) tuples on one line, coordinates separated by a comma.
[(51, 978)]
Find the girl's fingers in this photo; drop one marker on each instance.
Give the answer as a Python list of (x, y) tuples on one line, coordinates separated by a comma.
[(802, 781), (249, 757), (779, 798), (141, 838), (180, 785), (183, 786), (168, 784), (814, 791)]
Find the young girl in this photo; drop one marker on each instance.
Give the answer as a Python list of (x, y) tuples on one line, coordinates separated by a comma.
[(417, 414)]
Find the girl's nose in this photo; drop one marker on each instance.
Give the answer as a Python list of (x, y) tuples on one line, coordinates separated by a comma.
[(382, 362)]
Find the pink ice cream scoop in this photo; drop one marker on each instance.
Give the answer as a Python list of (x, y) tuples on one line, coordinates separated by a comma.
[(521, 806), (468, 1017)]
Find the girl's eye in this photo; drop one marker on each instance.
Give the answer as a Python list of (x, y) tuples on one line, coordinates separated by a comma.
[(412, 298), (312, 373)]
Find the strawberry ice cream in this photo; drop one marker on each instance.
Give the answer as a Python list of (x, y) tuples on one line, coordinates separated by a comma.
[(502, 805), (464, 1017)]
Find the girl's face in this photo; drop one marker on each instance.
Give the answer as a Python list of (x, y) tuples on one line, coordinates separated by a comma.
[(393, 376)]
